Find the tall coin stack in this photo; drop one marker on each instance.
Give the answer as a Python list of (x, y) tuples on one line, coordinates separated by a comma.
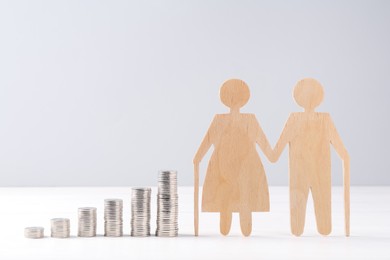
[(60, 227), (167, 204), (140, 212), (113, 222), (87, 222)]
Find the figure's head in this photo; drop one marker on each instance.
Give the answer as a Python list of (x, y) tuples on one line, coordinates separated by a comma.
[(234, 93), (308, 93)]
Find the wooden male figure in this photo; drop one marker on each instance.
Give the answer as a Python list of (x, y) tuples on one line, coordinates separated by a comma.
[(309, 135)]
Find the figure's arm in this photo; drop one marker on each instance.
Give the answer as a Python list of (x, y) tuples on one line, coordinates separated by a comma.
[(262, 141), (284, 139), (338, 145), (335, 140), (205, 145)]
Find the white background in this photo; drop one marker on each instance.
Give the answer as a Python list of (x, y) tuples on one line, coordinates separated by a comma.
[(107, 93)]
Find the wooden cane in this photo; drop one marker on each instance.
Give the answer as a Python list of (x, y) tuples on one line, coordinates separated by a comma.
[(196, 198), (346, 195)]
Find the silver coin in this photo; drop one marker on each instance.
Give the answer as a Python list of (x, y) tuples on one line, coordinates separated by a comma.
[(60, 227), (113, 217), (140, 212), (167, 204), (34, 232), (86, 222), (167, 182)]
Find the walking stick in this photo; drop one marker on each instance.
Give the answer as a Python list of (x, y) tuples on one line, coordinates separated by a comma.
[(346, 195), (196, 198)]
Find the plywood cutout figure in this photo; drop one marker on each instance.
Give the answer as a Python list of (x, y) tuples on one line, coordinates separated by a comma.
[(235, 179), (309, 135)]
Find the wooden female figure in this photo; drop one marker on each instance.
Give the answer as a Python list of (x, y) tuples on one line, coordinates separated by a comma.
[(235, 179)]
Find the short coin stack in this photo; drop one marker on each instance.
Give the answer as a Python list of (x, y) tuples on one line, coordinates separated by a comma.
[(33, 232), (87, 222), (113, 221), (140, 212), (167, 204), (60, 227)]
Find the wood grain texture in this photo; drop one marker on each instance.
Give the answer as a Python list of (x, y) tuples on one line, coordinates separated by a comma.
[(235, 179), (309, 135)]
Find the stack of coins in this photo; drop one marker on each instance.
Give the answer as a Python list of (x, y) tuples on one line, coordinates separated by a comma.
[(113, 222), (140, 212), (87, 222), (60, 227), (167, 204), (33, 232)]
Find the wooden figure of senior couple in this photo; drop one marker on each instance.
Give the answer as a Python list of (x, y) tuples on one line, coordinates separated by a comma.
[(235, 180)]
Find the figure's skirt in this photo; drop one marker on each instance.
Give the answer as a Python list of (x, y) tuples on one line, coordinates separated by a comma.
[(230, 190)]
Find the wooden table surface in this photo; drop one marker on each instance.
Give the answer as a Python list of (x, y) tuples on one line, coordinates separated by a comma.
[(270, 239)]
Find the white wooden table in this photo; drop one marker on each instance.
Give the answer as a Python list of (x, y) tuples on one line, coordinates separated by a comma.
[(270, 239)]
